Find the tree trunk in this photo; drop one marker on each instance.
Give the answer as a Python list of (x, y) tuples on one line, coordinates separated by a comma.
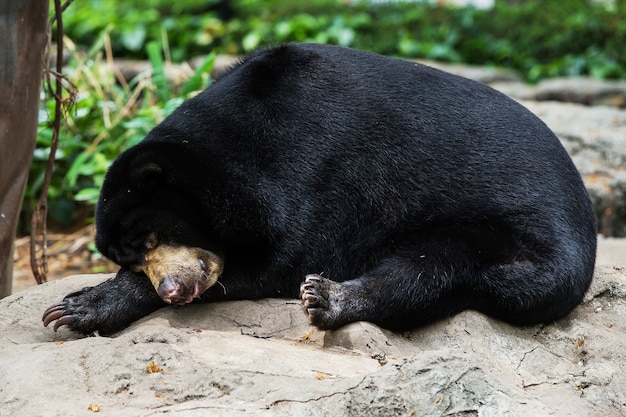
[(23, 36)]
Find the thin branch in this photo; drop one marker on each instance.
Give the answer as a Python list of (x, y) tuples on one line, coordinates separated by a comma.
[(57, 12), (40, 214)]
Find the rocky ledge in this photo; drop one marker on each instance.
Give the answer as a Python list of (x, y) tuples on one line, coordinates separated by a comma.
[(260, 358)]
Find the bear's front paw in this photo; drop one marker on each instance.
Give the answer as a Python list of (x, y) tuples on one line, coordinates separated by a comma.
[(77, 311), (106, 308)]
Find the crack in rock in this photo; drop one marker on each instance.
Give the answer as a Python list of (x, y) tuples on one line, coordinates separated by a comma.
[(345, 392), (524, 356)]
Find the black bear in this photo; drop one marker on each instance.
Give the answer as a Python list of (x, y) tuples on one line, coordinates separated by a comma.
[(374, 188)]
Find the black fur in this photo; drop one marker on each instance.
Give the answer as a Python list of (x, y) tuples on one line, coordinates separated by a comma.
[(421, 192)]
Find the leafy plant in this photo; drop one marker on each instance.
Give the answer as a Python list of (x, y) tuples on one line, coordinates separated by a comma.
[(537, 38), (192, 24), (109, 116)]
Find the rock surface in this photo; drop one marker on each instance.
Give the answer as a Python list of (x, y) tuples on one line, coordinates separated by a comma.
[(595, 138), (262, 358)]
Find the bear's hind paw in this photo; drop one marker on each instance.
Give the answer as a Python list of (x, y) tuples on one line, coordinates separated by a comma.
[(321, 300)]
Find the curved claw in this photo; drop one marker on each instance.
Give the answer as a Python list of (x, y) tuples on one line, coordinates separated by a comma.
[(59, 313), (52, 308), (313, 278), (52, 314), (310, 300), (64, 320), (73, 294)]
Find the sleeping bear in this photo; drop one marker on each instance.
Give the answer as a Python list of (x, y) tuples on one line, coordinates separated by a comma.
[(372, 188)]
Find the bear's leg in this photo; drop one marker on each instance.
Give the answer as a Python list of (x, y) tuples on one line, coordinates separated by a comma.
[(526, 292), (401, 293), (107, 307), (406, 292)]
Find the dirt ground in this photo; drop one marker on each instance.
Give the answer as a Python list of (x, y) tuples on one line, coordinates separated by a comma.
[(67, 254)]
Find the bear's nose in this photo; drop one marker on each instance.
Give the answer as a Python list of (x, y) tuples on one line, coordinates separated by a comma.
[(172, 289)]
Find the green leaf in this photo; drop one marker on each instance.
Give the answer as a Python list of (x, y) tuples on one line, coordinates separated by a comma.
[(76, 168), (89, 195), (158, 71), (135, 38), (251, 41), (196, 81)]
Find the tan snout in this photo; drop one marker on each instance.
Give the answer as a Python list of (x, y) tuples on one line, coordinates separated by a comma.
[(181, 273)]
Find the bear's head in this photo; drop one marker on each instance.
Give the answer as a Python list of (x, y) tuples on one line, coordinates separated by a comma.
[(180, 273)]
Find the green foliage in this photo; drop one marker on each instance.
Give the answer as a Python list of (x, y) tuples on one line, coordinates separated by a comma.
[(544, 39), (191, 23), (107, 117), (536, 37)]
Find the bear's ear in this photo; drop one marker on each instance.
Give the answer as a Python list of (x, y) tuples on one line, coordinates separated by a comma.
[(146, 176), (267, 69)]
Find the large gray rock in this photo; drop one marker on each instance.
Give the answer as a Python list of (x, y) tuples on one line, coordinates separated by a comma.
[(262, 358), (581, 90), (588, 117), (595, 137)]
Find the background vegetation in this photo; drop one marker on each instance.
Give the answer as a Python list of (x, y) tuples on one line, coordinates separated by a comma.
[(537, 38)]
